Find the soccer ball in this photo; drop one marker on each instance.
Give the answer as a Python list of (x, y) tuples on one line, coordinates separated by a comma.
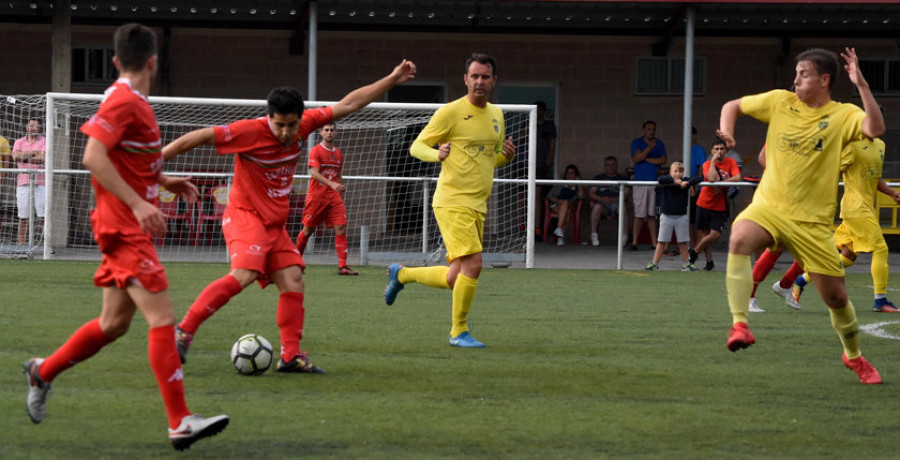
[(251, 354)]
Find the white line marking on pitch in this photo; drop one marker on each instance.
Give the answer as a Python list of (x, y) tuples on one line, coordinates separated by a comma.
[(876, 329)]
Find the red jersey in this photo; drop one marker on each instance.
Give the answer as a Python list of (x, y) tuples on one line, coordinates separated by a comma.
[(263, 166), (330, 163), (712, 197), (126, 125)]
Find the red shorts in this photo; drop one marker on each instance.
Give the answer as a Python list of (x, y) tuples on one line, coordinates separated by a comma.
[(129, 260), (255, 246), (316, 211)]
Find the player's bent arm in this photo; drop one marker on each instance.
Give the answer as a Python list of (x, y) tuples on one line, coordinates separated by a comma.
[(884, 188), (203, 136), (873, 125), (317, 175), (424, 152), (731, 110), (180, 185), (96, 160), (362, 96)]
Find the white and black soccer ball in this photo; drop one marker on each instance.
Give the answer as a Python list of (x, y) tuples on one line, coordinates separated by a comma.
[(251, 354)]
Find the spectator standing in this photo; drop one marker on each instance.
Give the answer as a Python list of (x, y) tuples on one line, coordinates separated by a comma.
[(711, 205), (648, 153), (546, 153), (673, 209), (28, 152)]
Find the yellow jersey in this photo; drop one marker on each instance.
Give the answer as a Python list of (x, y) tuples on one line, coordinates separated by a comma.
[(803, 153), (476, 144), (861, 164)]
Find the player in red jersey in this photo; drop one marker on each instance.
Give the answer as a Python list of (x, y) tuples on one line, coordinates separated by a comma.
[(266, 152), (124, 158), (324, 199)]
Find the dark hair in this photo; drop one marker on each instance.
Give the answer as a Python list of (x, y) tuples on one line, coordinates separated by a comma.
[(134, 45), (571, 166), (541, 105), (648, 122), (481, 58), (693, 131), (825, 62), (285, 100), (718, 141), (611, 157)]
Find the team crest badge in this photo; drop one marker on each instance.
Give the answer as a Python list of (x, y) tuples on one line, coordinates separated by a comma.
[(823, 124)]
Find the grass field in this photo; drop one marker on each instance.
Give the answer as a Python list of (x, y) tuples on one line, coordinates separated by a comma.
[(579, 364)]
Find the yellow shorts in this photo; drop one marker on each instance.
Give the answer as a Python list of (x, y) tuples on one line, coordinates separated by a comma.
[(860, 235), (811, 244), (462, 229)]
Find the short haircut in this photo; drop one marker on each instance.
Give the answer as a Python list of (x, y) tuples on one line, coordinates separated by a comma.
[(648, 122), (693, 131), (481, 58), (825, 62), (541, 105), (677, 165), (718, 141), (285, 100), (611, 157), (134, 46)]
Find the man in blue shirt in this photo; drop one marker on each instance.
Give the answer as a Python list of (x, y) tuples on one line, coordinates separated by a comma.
[(648, 153)]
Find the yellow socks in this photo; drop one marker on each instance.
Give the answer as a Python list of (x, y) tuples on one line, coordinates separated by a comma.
[(463, 295), (880, 271), (429, 276), (844, 322), (738, 284)]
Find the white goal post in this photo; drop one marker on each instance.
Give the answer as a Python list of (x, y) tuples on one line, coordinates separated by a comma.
[(388, 195)]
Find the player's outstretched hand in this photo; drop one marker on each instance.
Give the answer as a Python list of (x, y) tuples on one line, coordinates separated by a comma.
[(404, 71), (851, 65), (183, 187)]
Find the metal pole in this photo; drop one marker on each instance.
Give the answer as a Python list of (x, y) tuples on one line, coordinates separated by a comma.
[(688, 91), (532, 172), (364, 245)]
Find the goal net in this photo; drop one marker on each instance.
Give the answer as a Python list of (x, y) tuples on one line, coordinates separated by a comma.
[(388, 197)]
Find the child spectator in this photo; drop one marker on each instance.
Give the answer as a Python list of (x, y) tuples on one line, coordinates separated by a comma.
[(673, 207)]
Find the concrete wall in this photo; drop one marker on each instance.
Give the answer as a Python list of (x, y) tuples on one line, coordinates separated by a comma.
[(598, 113)]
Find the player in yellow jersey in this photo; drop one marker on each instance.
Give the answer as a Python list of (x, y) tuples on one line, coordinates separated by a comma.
[(860, 231), (469, 133), (795, 202)]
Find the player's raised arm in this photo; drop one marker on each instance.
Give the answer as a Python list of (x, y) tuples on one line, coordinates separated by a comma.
[(96, 160), (727, 119), (203, 136), (873, 124), (362, 96)]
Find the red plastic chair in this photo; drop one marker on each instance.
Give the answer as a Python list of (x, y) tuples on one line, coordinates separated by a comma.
[(179, 215), (575, 219), (210, 209)]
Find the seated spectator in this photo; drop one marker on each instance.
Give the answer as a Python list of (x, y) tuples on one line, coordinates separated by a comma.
[(562, 198), (605, 199)]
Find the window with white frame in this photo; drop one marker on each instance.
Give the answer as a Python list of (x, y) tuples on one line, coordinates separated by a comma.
[(664, 76), (93, 65)]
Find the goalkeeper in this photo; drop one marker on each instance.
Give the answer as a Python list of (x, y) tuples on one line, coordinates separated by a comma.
[(470, 134), (266, 152)]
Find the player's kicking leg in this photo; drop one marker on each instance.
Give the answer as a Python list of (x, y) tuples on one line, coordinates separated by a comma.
[(194, 428), (36, 401)]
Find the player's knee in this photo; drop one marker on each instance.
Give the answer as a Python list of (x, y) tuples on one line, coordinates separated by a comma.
[(115, 328)]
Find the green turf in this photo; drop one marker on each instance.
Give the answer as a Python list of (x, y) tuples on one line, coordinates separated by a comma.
[(579, 364)]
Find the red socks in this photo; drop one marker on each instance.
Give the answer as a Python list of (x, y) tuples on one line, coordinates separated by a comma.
[(340, 247), (83, 344), (214, 297), (167, 368), (762, 268), (302, 239), (791, 274), (290, 322)]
